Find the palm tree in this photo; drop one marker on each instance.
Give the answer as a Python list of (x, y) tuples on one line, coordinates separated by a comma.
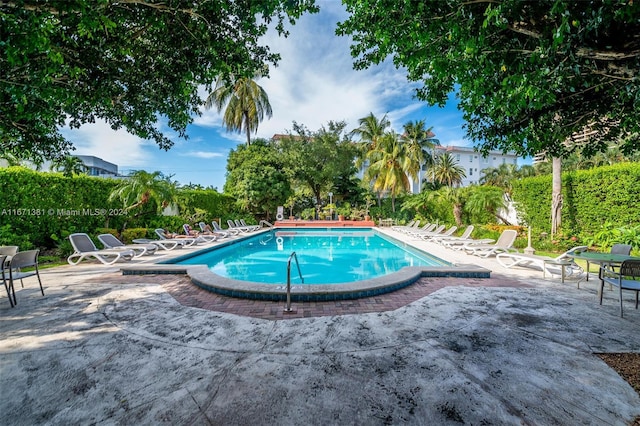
[(141, 187), (417, 140), (490, 199), (68, 165), (386, 168), (245, 104), (500, 176), (370, 131), (447, 171), (454, 196)]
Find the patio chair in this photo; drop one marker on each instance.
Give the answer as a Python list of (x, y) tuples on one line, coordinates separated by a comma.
[(200, 237), (218, 228), (254, 227), (9, 251), (401, 227), (464, 236), (184, 240), (5, 278), (627, 277), (109, 241), (238, 227), (510, 260), (84, 248), (206, 229), (429, 227), (23, 259), (502, 245), (430, 236)]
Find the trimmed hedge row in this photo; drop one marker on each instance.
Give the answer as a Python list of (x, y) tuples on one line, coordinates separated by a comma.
[(604, 196), (39, 209)]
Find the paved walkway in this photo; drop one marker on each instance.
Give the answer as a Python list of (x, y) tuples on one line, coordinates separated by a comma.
[(103, 348)]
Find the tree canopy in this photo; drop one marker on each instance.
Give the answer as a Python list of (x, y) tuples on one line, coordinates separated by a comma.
[(126, 62), (529, 74)]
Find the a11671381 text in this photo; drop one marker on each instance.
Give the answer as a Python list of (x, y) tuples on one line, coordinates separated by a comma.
[(61, 212)]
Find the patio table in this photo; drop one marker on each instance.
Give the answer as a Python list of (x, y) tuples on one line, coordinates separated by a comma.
[(602, 259)]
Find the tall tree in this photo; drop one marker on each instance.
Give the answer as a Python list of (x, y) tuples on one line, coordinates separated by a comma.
[(519, 65), (370, 130), (125, 62), (419, 144), (257, 178), (447, 171), (388, 166), (531, 76), (318, 160), (245, 104)]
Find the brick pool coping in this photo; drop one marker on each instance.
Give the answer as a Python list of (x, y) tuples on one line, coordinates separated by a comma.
[(188, 294)]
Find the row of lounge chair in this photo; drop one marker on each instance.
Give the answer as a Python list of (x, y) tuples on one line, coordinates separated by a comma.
[(115, 250), (502, 248)]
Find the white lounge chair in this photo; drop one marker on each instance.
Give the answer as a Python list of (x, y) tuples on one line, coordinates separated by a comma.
[(201, 238), (84, 248), (238, 227), (109, 241), (430, 236), (402, 227), (448, 238), (206, 229), (182, 239), (502, 245), (510, 260), (429, 227), (231, 231)]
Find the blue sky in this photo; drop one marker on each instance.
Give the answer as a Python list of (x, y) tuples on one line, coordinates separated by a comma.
[(313, 83)]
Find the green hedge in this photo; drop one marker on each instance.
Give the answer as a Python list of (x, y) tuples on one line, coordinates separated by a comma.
[(596, 198), (40, 209)]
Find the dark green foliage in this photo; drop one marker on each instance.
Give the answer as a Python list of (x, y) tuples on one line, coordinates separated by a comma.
[(606, 197), (128, 235), (39, 209), (44, 204), (257, 178), (128, 63), (529, 74)]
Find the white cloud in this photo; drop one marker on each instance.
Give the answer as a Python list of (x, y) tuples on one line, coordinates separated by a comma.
[(203, 154), (115, 146)]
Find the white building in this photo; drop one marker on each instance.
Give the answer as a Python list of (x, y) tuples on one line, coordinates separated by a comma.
[(471, 161)]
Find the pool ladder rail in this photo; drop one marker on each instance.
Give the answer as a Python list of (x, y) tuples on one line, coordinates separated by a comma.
[(288, 309)]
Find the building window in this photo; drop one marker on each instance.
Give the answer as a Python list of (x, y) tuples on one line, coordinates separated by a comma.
[(470, 172), (504, 160), (471, 158), (485, 160), (458, 157)]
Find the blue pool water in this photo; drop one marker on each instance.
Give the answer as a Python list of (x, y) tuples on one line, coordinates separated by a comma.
[(326, 256)]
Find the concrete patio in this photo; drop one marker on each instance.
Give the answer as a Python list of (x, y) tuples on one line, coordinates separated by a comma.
[(101, 348)]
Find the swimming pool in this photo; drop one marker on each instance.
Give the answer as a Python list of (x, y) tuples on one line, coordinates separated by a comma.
[(325, 256), (202, 276)]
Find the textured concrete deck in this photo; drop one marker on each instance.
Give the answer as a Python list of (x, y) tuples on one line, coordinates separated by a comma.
[(104, 348)]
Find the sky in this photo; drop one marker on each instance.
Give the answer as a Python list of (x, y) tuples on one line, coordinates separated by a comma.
[(313, 83)]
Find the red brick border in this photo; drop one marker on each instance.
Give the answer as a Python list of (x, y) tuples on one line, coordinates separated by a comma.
[(188, 294)]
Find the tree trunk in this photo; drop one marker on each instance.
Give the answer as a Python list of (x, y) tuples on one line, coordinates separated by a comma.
[(246, 120), (457, 214), (556, 196)]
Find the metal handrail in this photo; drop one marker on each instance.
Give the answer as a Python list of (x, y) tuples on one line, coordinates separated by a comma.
[(292, 256)]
